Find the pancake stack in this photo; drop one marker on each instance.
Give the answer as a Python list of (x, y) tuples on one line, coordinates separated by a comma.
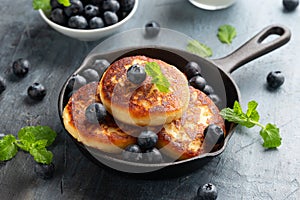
[(178, 116)]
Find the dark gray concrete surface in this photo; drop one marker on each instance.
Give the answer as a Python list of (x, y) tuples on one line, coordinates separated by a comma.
[(245, 170)]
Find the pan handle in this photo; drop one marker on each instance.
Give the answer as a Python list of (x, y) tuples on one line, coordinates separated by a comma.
[(255, 47)]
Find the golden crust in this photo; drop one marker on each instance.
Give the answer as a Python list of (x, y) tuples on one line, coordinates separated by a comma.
[(106, 136), (143, 105), (183, 138)]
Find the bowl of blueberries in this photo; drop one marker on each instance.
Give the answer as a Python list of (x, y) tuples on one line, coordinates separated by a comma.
[(89, 20)]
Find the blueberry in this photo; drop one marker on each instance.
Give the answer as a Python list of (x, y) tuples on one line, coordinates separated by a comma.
[(36, 91), (198, 82), (152, 156), (152, 29), (76, 82), (132, 153), (126, 5), (216, 99), (54, 4), (44, 171), (208, 89), (147, 139), (90, 75), (136, 74), (290, 5), (57, 15), (111, 5), (207, 192), (100, 65), (95, 113), (192, 69), (213, 134), (91, 11), (97, 2), (2, 84), (20, 67), (78, 22), (275, 79), (96, 22), (75, 8), (110, 18)]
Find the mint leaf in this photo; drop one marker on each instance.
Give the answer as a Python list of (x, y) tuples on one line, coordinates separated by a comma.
[(25, 140), (226, 33), (34, 133), (153, 69), (66, 3), (252, 112), (39, 144), (271, 136), (8, 149), (41, 155), (269, 133), (41, 4), (199, 49), (45, 4), (237, 116)]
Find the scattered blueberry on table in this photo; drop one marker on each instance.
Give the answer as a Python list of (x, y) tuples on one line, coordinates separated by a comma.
[(21, 67), (152, 28), (275, 79), (207, 192), (290, 5), (36, 91), (44, 171), (2, 84)]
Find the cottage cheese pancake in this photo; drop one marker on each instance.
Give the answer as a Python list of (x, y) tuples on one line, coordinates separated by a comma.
[(143, 104), (106, 136), (183, 138)]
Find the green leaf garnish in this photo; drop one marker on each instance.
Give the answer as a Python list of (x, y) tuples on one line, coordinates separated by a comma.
[(33, 139), (8, 149), (271, 136), (65, 3), (41, 4), (269, 133), (38, 133), (153, 69), (226, 33), (199, 49), (41, 155), (46, 6)]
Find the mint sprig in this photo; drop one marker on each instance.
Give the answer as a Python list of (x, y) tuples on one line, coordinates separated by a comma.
[(153, 69), (198, 48), (269, 133), (32, 139), (45, 4), (226, 33)]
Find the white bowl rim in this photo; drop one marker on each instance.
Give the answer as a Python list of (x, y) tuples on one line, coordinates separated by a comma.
[(107, 28)]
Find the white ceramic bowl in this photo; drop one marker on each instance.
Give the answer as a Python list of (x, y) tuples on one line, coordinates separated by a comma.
[(91, 34)]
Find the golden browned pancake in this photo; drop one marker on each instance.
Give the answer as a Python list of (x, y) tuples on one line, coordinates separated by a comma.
[(106, 136), (183, 138), (143, 105)]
